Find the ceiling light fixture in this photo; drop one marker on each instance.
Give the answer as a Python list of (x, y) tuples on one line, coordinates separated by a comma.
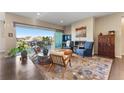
[(38, 14), (61, 21)]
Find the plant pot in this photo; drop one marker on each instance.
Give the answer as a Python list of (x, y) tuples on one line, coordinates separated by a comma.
[(45, 51), (24, 56)]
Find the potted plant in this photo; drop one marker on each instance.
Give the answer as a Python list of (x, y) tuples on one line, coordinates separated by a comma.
[(45, 49), (45, 44), (13, 52), (21, 48)]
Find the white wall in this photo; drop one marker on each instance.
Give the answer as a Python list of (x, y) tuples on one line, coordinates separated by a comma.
[(89, 23), (108, 23), (122, 46), (102, 24), (2, 17), (10, 42), (67, 29)]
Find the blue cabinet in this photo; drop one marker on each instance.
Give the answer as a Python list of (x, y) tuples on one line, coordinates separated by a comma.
[(66, 38)]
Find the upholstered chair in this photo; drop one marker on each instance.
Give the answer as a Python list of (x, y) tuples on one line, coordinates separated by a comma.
[(87, 49)]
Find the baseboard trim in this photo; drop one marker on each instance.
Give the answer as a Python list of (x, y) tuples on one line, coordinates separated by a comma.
[(118, 56)]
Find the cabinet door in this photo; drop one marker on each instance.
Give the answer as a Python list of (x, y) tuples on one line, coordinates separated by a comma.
[(106, 46), (100, 44), (110, 46)]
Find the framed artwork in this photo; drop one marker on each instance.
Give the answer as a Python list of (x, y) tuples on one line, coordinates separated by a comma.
[(81, 31)]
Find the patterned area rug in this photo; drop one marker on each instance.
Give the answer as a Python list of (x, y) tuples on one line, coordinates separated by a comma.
[(88, 68)]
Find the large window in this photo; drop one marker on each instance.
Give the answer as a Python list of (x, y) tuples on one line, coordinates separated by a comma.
[(35, 36)]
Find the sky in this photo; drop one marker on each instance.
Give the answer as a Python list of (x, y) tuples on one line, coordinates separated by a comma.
[(28, 31)]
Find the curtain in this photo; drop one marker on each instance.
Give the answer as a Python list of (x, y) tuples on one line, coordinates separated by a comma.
[(58, 39)]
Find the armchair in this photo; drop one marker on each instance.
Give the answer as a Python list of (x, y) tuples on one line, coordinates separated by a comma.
[(87, 49), (59, 60)]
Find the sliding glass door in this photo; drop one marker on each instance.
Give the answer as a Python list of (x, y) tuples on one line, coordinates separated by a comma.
[(58, 39), (36, 36)]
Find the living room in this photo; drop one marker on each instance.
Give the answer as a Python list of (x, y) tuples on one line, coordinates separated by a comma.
[(61, 46), (94, 24)]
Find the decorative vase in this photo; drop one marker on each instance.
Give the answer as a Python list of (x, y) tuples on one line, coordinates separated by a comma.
[(24, 56), (45, 51), (100, 34)]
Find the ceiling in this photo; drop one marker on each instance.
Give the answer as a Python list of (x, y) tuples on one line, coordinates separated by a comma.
[(61, 18)]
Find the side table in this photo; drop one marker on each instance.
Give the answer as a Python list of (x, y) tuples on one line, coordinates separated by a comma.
[(44, 60)]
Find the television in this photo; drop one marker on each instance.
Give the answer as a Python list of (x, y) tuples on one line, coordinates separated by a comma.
[(79, 43), (76, 43)]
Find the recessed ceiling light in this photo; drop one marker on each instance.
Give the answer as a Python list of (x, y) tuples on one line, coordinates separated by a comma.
[(61, 21), (38, 14)]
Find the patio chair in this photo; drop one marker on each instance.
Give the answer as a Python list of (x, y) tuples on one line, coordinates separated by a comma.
[(68, 54)]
